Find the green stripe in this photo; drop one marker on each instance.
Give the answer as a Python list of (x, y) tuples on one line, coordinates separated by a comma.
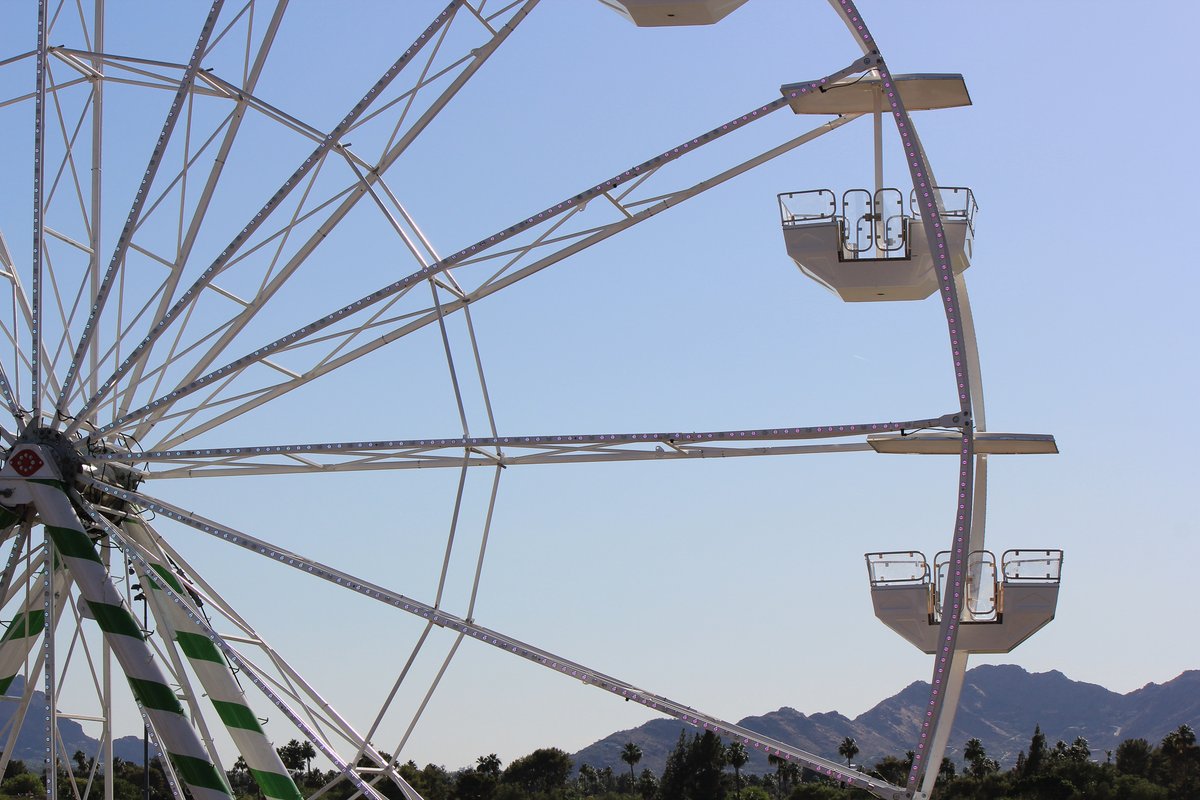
[(57, 484), (72, 543), (5, 683), (153, 694), (24, 625), (198, 647), (236, 715), (275, 785), (199, 772), (8, 517), (115, 619), (169, 578)]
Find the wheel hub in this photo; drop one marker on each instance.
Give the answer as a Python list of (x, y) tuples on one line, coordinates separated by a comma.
[(61, 449), (75, 463)]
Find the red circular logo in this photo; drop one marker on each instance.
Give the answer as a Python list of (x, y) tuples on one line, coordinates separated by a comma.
[(26, 463)]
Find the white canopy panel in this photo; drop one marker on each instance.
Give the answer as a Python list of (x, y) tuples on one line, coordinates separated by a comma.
[(947, 443), (658, 13), (857, 95)]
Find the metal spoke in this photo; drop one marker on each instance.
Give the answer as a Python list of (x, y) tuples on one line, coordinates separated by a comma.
[(506, 643), (39, 171), (235, 658), (304, 335), (507, 451), (135, 347), (135, 211), (366, 181), (331, 140)]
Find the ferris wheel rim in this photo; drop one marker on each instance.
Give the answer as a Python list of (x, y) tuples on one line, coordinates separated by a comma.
[(955, 310)]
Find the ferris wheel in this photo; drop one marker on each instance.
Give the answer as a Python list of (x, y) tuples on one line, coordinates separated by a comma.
[(161, 317)]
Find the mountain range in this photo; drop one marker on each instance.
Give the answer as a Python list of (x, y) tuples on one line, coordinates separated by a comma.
[(30, 747), (1000, 706)]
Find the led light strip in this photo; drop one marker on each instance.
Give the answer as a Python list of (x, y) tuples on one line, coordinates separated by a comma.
[(139, 202), (247, 669), (123, 633), (214, 269), (39, 176), (932, 221), (436, 268), (220, 685), (761, 434), (494, 638)]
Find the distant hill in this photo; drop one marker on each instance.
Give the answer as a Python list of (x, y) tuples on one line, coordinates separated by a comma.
[(1000, 706), (30, 739)]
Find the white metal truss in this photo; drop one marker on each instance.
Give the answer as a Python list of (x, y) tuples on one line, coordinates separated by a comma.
[(131, 346)]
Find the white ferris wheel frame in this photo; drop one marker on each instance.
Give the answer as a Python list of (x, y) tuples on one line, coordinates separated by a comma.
[(111, 393)]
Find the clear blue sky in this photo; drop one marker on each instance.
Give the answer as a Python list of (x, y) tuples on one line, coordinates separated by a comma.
[(736, 587)]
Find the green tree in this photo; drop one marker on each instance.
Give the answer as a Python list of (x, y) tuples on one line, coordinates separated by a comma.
[(647, 785), (893, 770), (848, 749), (782, 773), (1037, 753), (945, 771), (1134, 757), (292, 756), (25, 785), (489, 765), (308, 753), (694, 769), (544, 770), (737, 755), (587, 783), (1180, 759), (673, 785), (239, 777), (631, 754), (978, 762), (708, 763)]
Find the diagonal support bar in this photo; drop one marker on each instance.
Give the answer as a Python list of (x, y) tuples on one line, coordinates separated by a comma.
[(215, 641), (135, 211), (931, 220), (567, 205), (213, 671), (332, 140), (42, 487), (543, 658)]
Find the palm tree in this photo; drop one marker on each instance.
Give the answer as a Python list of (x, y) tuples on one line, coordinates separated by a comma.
[(308, 753), (737, 755), (631, 754), (848, 749), (977, 757), (778, 762), (488, 765)]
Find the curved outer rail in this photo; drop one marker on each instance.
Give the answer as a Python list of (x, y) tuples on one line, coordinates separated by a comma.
[(956, 675), (931, 219)]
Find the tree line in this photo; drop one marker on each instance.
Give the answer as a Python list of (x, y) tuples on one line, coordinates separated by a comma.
[(699, 768)]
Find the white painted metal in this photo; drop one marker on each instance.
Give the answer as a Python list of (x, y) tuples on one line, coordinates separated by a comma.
[(507, 643), (946, 443), (858, 96), (154, 379), (1022, 607), (823, 249), (661, 13)]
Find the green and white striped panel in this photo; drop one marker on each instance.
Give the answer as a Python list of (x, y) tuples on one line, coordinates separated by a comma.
[(176, 735), (26, 627), (215, 676)]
